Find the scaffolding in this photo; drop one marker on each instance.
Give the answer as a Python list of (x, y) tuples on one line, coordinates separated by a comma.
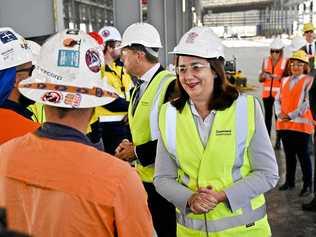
[(88, 15)]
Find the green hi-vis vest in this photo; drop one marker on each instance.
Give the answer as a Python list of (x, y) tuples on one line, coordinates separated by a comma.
[(144, 122), (38, 112), (224, 161)]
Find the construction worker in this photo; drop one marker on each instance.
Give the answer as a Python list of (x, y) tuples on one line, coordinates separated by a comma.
[(310, 47), (15, 66), (110, 119), (214, 157), (295, 121), (140, 47), (272, 71), (64, 185)]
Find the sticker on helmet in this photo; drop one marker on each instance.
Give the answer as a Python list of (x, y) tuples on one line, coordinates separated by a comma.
[(72, 32), (7, 36), (93, 60), (69, 42), (191, 37), (105, 33), (68, 58), (52, 96), (72, 99), (25, 45)]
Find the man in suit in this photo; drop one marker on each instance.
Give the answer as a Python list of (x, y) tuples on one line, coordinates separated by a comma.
[(310, 48)]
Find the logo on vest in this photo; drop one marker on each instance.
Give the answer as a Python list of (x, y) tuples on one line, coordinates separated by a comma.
[(223, 132)]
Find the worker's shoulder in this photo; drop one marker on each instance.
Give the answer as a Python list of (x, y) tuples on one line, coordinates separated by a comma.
[(8, 116), (10, 139)]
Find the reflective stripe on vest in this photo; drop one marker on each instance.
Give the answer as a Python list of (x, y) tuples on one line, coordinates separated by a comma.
[(290, 99), (224, 223), (144, 122), (243, 109), (276, 83)]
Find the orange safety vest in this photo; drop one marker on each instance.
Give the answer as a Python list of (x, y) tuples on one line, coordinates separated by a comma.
[(272, 86), (65, 188), (290, 99), (13, 125)]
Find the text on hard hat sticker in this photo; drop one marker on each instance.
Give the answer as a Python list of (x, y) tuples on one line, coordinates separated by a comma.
[(7, 36), (6, 54), (93, 60), (68, 58), (48, 73)]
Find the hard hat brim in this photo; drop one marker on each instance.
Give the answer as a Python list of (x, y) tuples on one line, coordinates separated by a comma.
[(79, 100)]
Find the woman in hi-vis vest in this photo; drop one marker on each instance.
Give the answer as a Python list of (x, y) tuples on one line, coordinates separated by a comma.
[(295, 121), (271, 73), (214, 156)]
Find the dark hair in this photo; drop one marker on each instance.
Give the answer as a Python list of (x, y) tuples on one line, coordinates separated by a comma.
[(148, 56), (224, 94), (109, 43)]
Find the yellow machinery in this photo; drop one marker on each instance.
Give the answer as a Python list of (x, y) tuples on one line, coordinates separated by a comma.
[(234, 77)]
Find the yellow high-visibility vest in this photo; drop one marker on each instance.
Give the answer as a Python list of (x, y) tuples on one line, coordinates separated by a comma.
[(223, 161), (144, 122)]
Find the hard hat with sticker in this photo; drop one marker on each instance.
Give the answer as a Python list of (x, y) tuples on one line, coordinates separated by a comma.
[(14, 49), (67, 73), (200, 42)]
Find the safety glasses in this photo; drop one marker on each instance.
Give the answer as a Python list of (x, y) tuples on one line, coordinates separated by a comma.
[(296, 64), (194, 67), (275, 51)]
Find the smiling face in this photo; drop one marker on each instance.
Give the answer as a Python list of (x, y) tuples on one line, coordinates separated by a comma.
[(297, 67), (196, 77)]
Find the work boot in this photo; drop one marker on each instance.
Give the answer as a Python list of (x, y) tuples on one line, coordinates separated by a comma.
[(311, 206), (306, 190)]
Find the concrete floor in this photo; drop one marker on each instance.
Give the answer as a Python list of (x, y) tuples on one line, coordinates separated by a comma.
[(284, 208)]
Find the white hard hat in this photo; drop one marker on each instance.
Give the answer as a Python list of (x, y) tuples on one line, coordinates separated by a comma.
[(35, 48), (141, 33), (67, 73), (297, 43), (14, 49), (277, 44), (110, 33), (200, 42)]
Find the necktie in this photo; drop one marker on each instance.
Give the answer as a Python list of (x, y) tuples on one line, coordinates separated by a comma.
[(310, 49), (136, 96)]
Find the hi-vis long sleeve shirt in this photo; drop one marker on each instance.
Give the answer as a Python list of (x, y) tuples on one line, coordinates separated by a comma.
[(66, 187)]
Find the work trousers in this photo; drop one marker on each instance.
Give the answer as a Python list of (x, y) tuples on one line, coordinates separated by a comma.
[(296, 144), (314, 163), (112, 135), (162, 211), (268, 112)]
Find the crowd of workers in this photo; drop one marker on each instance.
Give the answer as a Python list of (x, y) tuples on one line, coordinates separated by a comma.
[(99, 139), (289, 93)]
